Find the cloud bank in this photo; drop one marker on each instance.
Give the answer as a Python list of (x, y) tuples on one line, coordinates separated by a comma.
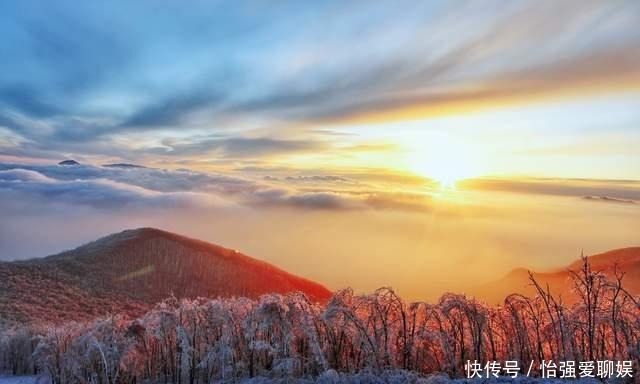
[(127, 187)]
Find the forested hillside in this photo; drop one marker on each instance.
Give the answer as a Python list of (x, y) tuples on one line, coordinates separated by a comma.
[(128, 272)]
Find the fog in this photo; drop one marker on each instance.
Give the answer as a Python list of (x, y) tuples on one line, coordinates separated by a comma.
[(452, 247)]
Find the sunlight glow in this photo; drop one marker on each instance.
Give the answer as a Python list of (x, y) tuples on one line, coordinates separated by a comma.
[(444, 159)]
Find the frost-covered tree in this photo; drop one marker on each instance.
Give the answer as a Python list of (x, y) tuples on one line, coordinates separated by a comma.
[(284, 336)]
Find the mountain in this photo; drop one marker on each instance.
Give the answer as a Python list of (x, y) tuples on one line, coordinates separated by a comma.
[(68, 162), (132, 270), (123, 165), (560, 282), (627, 259)]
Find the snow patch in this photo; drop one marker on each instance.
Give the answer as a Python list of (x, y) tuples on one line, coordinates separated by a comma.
[(23, 380)]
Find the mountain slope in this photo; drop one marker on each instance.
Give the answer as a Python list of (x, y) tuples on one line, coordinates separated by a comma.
[(133, 269), (560, 282)]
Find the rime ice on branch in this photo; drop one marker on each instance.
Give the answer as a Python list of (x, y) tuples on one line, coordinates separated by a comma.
[(201, 340)]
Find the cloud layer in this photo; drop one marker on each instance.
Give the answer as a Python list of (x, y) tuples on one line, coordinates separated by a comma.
[(126, 187), (107, 187)]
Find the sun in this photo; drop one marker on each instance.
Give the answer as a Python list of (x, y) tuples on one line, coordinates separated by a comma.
[(444, 160), (446, 169)]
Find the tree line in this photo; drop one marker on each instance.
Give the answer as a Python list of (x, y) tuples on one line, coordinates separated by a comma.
[(228, 339)]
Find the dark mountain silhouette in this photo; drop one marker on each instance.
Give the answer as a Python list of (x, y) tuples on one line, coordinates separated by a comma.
[(626, 260), (68, 162), (123, 165), (132, 270)]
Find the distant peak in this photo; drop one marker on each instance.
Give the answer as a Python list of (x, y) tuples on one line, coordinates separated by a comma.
[(143, 233), (128, 234), (68, 162), (123, 165), (620, 256), (121, 237)]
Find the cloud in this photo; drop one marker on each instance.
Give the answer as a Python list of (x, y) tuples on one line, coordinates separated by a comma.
[(171, 111), (26, 101), (236, 147), (612, 189), (324, 197), (122, 187), (477, 71), (318, 178), (607, 199), (83, 79), (116, 187), (109, 188), (16, 175), (281, 197), (20, 184), (411, 202), (155, 179), (306, 200), (321, 200)]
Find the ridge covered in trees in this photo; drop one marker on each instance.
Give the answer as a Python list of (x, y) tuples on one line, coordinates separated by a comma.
[(130, 271)]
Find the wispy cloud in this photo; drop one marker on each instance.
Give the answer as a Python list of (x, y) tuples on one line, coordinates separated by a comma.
[(235, 147), (79, 79), (609, 189), (607, 199)]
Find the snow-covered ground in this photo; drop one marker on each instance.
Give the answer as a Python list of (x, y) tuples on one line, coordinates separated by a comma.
[(23, 380)]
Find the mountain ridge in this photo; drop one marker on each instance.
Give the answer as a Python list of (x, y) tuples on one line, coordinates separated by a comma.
[(131, 270), (559, 280)]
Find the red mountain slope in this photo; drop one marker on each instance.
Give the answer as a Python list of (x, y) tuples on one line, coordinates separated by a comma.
[(560, 282), (131, 270)]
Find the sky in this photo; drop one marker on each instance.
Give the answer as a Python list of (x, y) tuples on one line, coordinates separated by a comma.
[(422, 145)]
